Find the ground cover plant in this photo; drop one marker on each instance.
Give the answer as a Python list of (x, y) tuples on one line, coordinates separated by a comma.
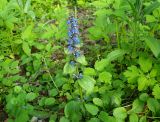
[(79, 60)]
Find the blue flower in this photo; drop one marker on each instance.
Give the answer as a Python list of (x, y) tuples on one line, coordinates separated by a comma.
[(76, 40), (77, 54), (72, 63), (70, 48), (70, 42), (80, 76)]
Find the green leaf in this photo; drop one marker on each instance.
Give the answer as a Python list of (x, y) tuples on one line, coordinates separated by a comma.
[(53, 92), (132, 74), (31, 96), (145, 64), (143, 119), (150, 18), (98, 102), (94, 120), (156, 91), (103, 116), (115, 54), (133, 118), (105, 77), (27, 5), (154, 45), (64, 119), (120, 113), (137, 106), (153, 105), (143, 83), (49, 101), (89, 71), (92, 109), (87, 83), (69, 69), (143, 97), (100, 65), (71, 108), (151, 7), (82, 60), (26, 48)]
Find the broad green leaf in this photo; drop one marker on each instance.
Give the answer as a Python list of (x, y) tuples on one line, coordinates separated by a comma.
[(153, 105), (26, 48), (145, 64), (49, 101), (94, 120), (143, 83), (68, 68), (150, 18), (27, 34), (89, 71), (137, 106), (100, 65), (103, 116), (105, 77), (154, 45), (64, 119), (98, 102), (133, 118), (143, 119), (120, 113), (143, 97), (92, 109), (87, 83), (31, 96), (72, 107), (82, 60), (115, 54), (156, 91), (53, 92), (132, 74)]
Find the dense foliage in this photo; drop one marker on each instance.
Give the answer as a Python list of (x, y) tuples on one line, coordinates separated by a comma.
[(80, 60)]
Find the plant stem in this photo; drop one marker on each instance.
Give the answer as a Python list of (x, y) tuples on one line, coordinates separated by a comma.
[(50, 73)]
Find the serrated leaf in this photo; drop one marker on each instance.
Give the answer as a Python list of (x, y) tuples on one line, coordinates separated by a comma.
[(153, 105), (156, 91), (26, 48), (82, 60), (143, 83), (120, 113), (98, 102), (87, 83), (145, 64), (105, 77), (100, 65), (132, 74), (92, 109)]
